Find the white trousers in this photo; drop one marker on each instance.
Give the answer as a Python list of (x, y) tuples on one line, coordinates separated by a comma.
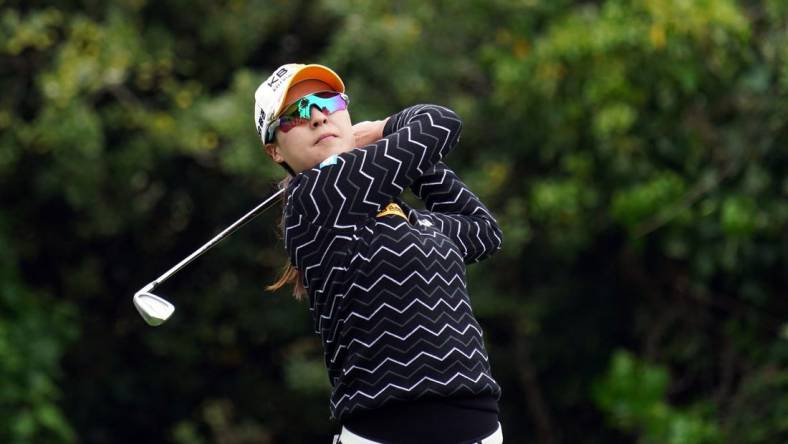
[(348, 437)]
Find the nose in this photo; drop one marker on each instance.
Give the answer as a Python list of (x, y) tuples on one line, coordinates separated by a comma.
[(318, 117)]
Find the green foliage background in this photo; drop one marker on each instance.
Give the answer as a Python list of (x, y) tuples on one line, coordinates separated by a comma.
[(634, 153)]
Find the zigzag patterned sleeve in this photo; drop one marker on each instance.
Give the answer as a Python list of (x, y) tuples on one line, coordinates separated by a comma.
[(458, 213), (361, 182)]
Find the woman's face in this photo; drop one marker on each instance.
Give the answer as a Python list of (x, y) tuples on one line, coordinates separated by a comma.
[(322, 136)]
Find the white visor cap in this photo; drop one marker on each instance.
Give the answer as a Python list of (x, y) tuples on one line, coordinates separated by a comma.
[(270, 95)]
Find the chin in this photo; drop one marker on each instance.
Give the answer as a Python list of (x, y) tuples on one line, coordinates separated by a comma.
[(337, 146)]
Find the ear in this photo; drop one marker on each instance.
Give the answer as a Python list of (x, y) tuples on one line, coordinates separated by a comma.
[(273, 152)]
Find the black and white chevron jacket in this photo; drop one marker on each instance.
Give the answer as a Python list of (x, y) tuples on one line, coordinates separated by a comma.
[(388, 296)]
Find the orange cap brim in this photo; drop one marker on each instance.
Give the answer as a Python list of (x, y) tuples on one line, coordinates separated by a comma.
[(316, 72)]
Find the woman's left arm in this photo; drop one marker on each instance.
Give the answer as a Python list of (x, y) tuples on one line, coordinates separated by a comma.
[(458, 213)]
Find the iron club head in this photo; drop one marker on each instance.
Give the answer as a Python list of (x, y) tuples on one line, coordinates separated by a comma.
[(153, 309), (156, 310)]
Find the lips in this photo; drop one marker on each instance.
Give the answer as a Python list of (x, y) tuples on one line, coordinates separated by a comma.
[(324, 136)]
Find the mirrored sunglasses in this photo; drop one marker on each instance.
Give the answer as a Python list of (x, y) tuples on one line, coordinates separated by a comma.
[(300, 111)]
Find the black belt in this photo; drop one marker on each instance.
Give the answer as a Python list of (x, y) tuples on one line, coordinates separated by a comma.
[(434, 420)]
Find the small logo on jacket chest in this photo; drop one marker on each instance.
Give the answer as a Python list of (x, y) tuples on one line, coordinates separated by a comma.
[(394, 209)]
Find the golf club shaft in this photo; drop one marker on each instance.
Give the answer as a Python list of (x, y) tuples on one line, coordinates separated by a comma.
[(218, 238)]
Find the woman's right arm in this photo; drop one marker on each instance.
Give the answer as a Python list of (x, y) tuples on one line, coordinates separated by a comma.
[(346, 189), (458, 213)]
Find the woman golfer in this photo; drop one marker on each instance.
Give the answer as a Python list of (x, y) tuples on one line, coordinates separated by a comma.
[(385, 282)]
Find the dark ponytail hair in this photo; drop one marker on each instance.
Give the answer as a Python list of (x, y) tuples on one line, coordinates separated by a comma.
[(290, 274)]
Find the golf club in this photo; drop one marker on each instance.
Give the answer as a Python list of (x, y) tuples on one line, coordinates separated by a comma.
[(156, 310)]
